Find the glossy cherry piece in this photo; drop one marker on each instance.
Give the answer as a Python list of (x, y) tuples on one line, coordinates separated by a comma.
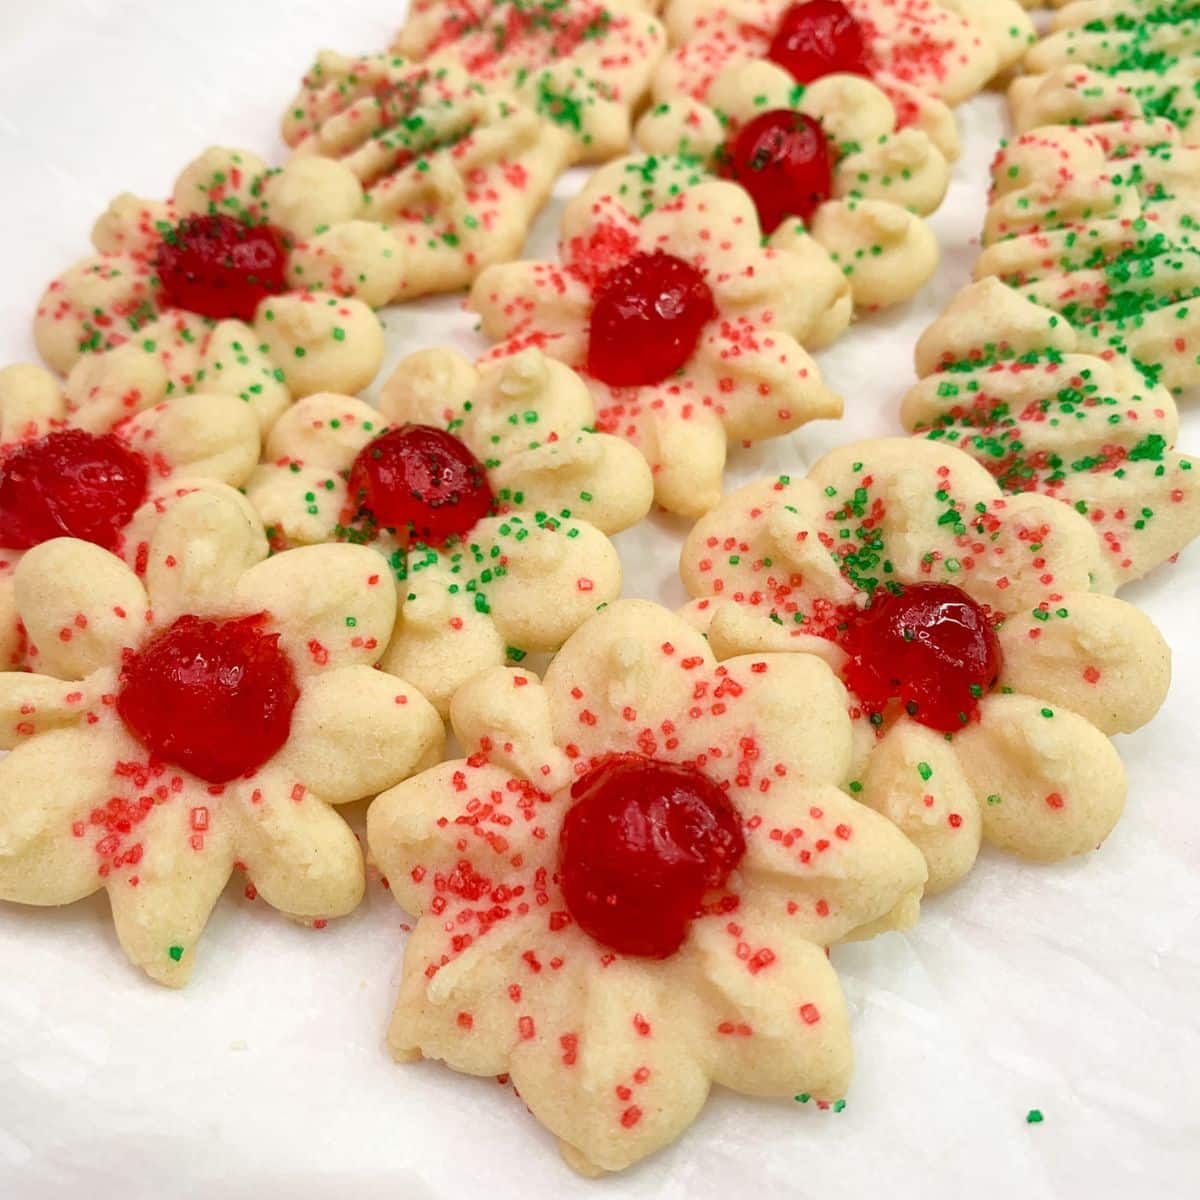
[(647, 318), (782, 159), (220, 267), (819, 38), (70, 484), (930, 646), (643, 843), (212, 697), (422, 482)]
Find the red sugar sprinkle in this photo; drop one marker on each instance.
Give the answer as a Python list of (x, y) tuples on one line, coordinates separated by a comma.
[(810, 1014)]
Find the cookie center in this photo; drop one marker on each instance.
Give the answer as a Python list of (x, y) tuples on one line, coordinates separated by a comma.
[(220, 267), (931, 647), (782, 159), (422, 482), (647, 318), (819, 38), (213, 697), (70, 484), (642, 845)]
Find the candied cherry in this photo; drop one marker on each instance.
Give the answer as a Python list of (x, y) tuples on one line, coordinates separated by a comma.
[(214, 697), (423, 482), (220, 267), (70, 484), (647, 317), (819, 38), (929, 645), (643, 843), (782, 159)]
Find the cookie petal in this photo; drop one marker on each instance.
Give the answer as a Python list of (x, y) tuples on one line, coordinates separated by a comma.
[(836, 869), (1049, 783), (777, 1022), (48, 785), (632, 667), (303, 858), (606, 1060), (914, 778), (206, 435), (357, 731), (161, 911), (406, 829), (334, 605), (199, 549), (80, 606), (1097, 656)]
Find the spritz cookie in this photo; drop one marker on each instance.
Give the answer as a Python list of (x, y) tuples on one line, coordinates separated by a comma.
[(202, 719), (454, 170), (489, 493), (827, 155), (243, 282), (985, 664), (583, 65), (102, 463), (687, 328), (1021, 391), (626, 889)]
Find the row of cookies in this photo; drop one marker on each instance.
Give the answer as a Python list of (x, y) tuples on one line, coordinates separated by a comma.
[(134, 771)]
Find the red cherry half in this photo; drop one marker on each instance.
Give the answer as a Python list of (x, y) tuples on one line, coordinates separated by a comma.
[(220, 267), (643, 843), (70, 484), (931, 647), (422, 482), (647, 318), (819, 38), (213, 697), (782, 159)]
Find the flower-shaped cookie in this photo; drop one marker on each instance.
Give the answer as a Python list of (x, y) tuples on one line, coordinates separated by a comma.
[(826, 154), (626, 890), (985, 668), (516, 576), (1111, 59), (104, 460), (921, 53), (243, 282), (455, 171), (1097, 224), (582, 64), (1017, 388), (203, 721), (687, 329)]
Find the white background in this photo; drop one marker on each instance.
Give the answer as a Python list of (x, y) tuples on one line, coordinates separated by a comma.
[(1071, 989)]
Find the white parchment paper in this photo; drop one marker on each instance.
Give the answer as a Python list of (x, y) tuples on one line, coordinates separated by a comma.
[(1073, 990)]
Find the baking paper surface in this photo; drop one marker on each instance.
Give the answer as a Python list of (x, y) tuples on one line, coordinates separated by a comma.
[(1074, 989)]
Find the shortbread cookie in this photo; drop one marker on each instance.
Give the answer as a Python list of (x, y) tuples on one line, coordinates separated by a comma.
[(686, 328), (506, 553), (204, 720), (1017, 388), (1098, 224), (827, 155), (922, 54), (454, 170), (243, 283), (584, 65), (985, 663), (1112, 59), (626, 890), (103, 465)]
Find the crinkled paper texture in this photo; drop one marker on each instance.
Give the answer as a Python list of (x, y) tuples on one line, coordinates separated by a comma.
[(1071, 989)]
